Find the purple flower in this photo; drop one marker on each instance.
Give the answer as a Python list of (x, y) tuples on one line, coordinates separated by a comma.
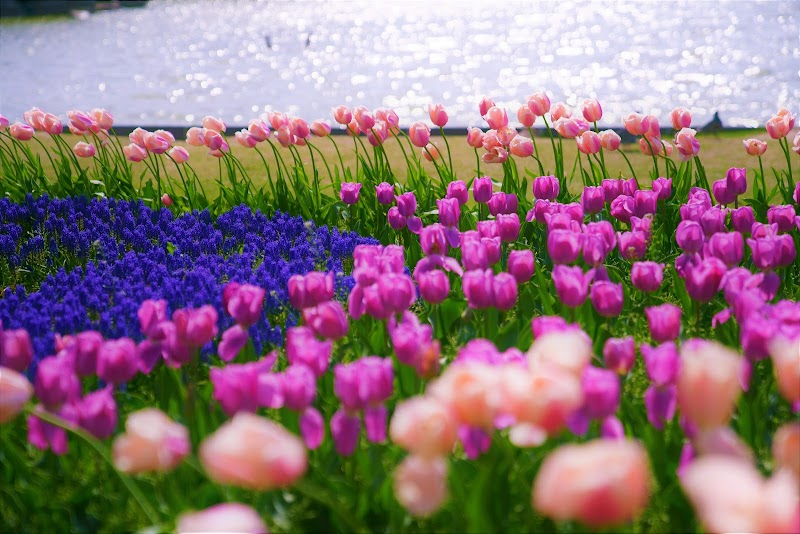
[(607, 298), (632, 245), (56, 382), (385, 193), (563, 246), (736, 179), (622, 208), (703, 280), (592, 199), (611, 189), (521, 265), (645, 203), (458, 190), (16, 350), (345, 429), (233, 341), (689, 236), (619, 354), (117, 361), (303, 347), (45, 436), (244, 302), (660, 403), (647, 276), (664, 322), (236, 386), (742, 219), (783, 216), (572, 284), (97, 413), (663, 187), (727, 246), (662, 363), (482, 189), (349, 192), (546, 187)]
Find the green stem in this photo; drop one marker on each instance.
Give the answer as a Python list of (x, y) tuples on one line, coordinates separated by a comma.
[(536, 150), (633, 173), (449, 156)]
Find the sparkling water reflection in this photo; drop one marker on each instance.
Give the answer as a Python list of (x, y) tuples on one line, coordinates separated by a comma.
[(177, 60)]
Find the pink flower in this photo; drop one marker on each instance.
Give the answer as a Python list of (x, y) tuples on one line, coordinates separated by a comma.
[(235, 454), (521, 265), (151, 442), (475, 137), (755, 147), (525, 116), (302, 347), (364, 118), (438, 114), (21, 132), (708, 383), (619, 354), (134, 152), (558, 111), (431, 152), (117, 361), (570, 128), (420, 484), (780, 124), (786, 447), (588, 142), (610, 140), (214, 124), (521, 147), (16, 349), (233, 341), (591, 109), (15, 392), (546, 187), (3, 123), (424, 426), (600, 483), (310, 289), (225, 517), (243, 302), (681, 118), (155, 143), (179, 154), (196, 327), (687, 144), (572, 284), (320, 128), (786, 361), (84, 150), (647, 276), (420, 134), (97, 413), (496, 117), (103, 118), (349, 192), (496, 155), (607, 298), (328, 320), (195, 136), (539, 103), (342, 115), (484, 105)]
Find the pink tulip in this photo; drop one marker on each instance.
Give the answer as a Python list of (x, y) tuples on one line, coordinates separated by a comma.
[(438, 114), (80, 120), (687, 144), (320, 128), (103, 118), (755, 147), (299, 128), (424, 426), (420, 484), (610, 140), (591, 109), (589, 142), (619, 354), (521, 265), (211, 138), (364, 118), (780, 124), (138, 137), (16, 349), (496, 155), (505, 135), (342, 115), (244, 138), (796, 144), (134, 152), (559, 110), (484, 105), (569, 128), (155, 143), (194, 136), (84, 150), (179, 154), (786, 447), (601, 483), (708, 384), (35, 118), (568, 349), (328, 320), (420, 134), (786, 361), (572, 284), (521, 147), (607, 298), (21, 132), (51, 124), (431, 152), (166, 200), (729, 495), (525, 116), (475, 137), (3, 123), (213, 124), (496, 117), (225, 517), (235, 454), (15, 392), (539, 103), (681, 118), (151, 442), (349, 192)]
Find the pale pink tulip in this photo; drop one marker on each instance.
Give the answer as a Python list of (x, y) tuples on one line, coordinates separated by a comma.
[(796, 144), (475, 137), (438, 114), (15, 392), (155, 143), (708, 383), (134, 152), (225, 517), (539, 103), (591, 109), (21, 132), (755, 147), (525, 116), (490, 141), (424, 426), (650, 146), (179, 154), (253, 452), (194, 136), (151, 442), (505, 135), (137, 137), (431, 152), (633, 123), (569, 128), (420, 484), (521, 147), (212, 139), (780, 124), (342, 115), (166, 135), (786, 447), (569, 349), (650, 127), (497, 155), (214, 124), (352, 128), (610, 140), (84, 150), (588, 142), (378, 133), (786, 362), (420, 134), (52, 124), (80, 120), (166, 200), (681, 118), (601, 483), (75, 131), (34, 117), (470, 390), (299, 128), (258, 129), (729, 495), (559, 110), (484, 105), (244, 138), (320, 128), (687, 144), (364, 118), (496, 117), (103, 118)]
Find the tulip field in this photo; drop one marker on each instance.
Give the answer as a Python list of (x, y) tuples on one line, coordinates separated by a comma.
[(378, 347)]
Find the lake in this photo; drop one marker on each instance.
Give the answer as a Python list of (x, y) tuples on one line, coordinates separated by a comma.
[(173, 62)]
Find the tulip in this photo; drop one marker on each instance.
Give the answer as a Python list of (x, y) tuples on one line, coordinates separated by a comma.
[(539, 103), (234, 454), (151, 442), (85, 348), (663, 187), (664, 322), (420, 134), (243, 302), (504, 289), (708, 384), (722, 194), (645, 203), (600, 483), (482, 189), (21, 132), (396, 220), (525, 116), (703, 280), (588, 142), (619, 354), (611, 189), (496, 117), (647, 276), (385, 193), (521, 147), (681, 118), (420, 484), (755, 147), (233, 341), (796, 143), (244, 138), (782, 216), (609, 140), (607, 298), (302, 347), (225, 517), (521, 265), (214, 124), (328, 320), (713, 220), (689, 236), (569, 128), (434, 286), (478, 288), (687, 144), (431, 152), (572, 284), (780, 124), (16, 350), (786, 362), (158, 144), (258, 130), (15, 392), (601, 393), (559, 110), (546, 187), (117, 361), (497, 154), (438, 114), (45, 436), (591, 109), (349, 192), (728, 247), (134, 152), (742, 219), (196, 327), (592, 199), (632, 245), (424, 426), (342, 115), (564, 246), (786, 447), (622, 207), (3, 123), (97, 413)]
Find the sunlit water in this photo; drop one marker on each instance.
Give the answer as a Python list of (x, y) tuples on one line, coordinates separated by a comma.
[(175, 61)]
